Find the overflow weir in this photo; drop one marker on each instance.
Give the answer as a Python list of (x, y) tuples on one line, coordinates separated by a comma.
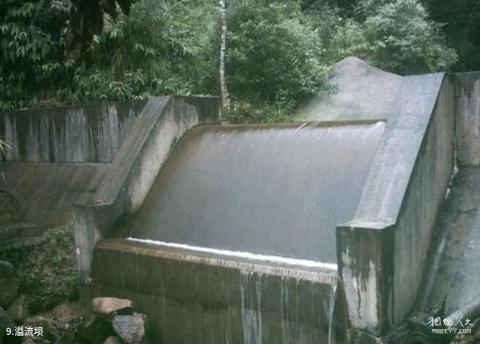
[(349, 225), (236, 237)]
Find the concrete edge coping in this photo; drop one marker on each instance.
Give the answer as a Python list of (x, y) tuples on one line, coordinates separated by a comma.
[(128, 153), (408, 127), (244, 265), (366, 225)]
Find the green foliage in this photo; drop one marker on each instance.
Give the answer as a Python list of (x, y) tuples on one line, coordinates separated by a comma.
[(48, 271), (272, 54), (461, 23), (32, 60), (277, 50), (403, 39), (161, 47), (266, 112), (396, 36)]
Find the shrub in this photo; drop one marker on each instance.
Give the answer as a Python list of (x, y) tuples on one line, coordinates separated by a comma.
[(394, 35), (47, 272), (272, 55)]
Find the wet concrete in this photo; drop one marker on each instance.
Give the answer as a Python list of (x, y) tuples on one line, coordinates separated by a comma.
[(202, 299), (458, 280), (89, 133), (46, 191), (275, 190)]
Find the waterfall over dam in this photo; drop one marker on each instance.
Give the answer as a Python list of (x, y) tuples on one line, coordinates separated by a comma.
[(274, 190), (236, 237)]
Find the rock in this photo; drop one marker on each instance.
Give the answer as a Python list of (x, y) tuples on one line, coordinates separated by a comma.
[(112, 340), (8, 284), (130, 328), (362, 92), (18, 310), (59, 324), (106, 306)]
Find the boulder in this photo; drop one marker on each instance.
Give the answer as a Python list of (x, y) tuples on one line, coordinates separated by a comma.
[(106, 306), (8, 284), (131, 329)]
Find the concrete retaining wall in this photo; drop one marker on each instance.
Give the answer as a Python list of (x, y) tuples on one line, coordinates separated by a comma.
[(91, 133), (60, 155), (382, 250), (164, 120), (45, 191), (191, 297)]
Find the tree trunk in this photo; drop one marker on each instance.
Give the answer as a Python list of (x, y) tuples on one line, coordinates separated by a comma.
[(223, 45)]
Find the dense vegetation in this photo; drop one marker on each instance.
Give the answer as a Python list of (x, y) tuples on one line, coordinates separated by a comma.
[(277, 50), (47, 279)]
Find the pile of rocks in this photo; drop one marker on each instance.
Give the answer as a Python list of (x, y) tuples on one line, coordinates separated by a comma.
[(115, 322)]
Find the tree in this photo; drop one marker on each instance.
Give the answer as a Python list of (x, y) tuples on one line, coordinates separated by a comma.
[(223, 44), (394, 35), (87, 20), (274, 53), (460, 21)]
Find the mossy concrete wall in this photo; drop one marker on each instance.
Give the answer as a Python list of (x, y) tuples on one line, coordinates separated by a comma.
[(45, 191)]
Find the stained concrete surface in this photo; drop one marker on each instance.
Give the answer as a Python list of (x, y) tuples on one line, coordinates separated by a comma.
[(275, 190), (161, 124), (383, 248), (89, 133), (458, 279), (45, 191), (201, 299), (468, 117)]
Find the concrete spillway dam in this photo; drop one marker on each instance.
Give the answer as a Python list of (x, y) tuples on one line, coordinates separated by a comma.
[(244, 199), (341, 229), (268, 190)]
